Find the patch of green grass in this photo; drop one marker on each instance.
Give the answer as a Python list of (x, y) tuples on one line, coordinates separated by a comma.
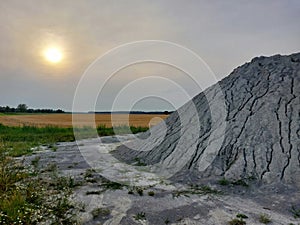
[(139, 162), (33, 198), (140, 216), (224, 182), (35, 162), (151, 193), (21, 140), (241, 216), (240, 183), (237, 221), (140, 191), (295, 211), (94, 192), (100, 212), (195, 190), (264, 218), (26, 199), (108, 131), (111, 185)]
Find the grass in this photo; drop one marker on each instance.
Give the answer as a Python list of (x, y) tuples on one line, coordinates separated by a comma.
[(39, 197), (108, 131), (151, 193), (295, 211), (27, 199), (195, 190), (138, 162), (237, 221), (140, 216), (21, 140), (241, 216), (264, 218), (225, 182), (100, 212)]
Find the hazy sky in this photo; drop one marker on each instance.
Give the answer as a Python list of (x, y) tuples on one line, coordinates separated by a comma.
[(225, 34)]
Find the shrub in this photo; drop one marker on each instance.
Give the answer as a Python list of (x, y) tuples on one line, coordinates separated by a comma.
[(224, 182), (264, 218), (151, 193), (296, 212), (140, 216), (100, 212), (237, 222)]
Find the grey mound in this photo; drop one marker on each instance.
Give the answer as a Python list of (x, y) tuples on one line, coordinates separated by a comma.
[(261, 141)]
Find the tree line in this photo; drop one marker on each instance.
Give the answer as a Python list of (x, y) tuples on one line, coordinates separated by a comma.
[(23, 108)]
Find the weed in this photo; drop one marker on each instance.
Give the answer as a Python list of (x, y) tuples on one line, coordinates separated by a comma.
[(35, 162), (51, 167), (241, 216), (195, 190), (32, 200), (295, 211), (94, 192), (140, 191), (140, 216), (111, 185), (138, 162), (21, 140), (100, 212), (224, 182), (53, 147), (151, 193), (264, 218), (130, 190), (240, 183), (89, 173), (237, 221)]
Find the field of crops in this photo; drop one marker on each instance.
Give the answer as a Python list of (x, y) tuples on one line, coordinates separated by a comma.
[(65, 120)]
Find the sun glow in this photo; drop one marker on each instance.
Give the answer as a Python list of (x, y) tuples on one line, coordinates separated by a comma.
[(53, 55)]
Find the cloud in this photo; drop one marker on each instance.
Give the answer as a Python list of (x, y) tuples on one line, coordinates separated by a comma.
[(224, 33)]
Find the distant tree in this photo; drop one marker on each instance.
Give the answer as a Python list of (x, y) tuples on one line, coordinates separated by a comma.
[(22, 108)]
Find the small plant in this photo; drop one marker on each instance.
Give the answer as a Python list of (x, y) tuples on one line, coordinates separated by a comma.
[(240, 183), (53, 147), (138, 162), (195, 190), (130, 190), (241, 216), (100, 212), (140, 216), (167, 221), (264, 218), (295, 211), (224, 182), (35, 162), (93, 192), (89, 173), (151, 193), (140, 191), (112, 185), (237, 221), (51, 167)]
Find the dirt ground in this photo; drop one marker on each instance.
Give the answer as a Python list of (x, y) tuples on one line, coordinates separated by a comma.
[(91, 164)]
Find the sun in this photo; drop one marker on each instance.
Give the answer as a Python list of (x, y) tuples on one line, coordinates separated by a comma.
[(53, 55)]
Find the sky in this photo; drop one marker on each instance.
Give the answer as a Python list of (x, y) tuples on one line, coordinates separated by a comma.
[(224, 34)]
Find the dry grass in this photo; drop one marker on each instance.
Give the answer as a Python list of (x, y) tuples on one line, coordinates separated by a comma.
[(65, 120)]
